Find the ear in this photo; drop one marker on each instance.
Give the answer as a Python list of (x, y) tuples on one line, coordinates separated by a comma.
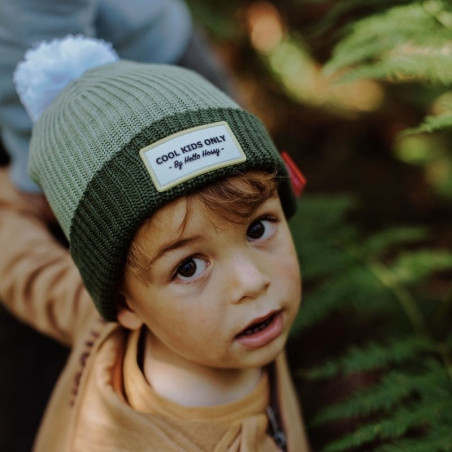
[(128, 318)]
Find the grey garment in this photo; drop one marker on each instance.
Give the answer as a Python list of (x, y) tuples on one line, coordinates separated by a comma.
[(202, 58), (143, 30)]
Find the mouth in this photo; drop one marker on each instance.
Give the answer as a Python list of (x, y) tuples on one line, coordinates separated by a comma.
[(261, 331)]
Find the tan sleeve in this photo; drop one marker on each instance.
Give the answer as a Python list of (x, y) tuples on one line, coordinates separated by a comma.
[(39, 283)]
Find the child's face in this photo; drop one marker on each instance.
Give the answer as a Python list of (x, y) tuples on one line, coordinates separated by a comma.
[(210, 280)]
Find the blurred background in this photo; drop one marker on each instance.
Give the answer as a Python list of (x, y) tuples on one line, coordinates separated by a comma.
[(359, 94)]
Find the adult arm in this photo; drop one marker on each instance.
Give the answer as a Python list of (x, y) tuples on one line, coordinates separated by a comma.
[(39, 283)]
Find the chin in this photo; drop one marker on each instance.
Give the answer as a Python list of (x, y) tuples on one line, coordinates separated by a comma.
[(263, 357)]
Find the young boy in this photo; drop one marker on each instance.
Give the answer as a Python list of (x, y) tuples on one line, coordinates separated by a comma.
[(173, 200)]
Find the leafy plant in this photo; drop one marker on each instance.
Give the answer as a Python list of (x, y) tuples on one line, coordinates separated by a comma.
[(399, 42), (407, 352), (390, 281)]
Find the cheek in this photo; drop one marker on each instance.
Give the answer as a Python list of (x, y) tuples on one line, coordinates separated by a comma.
[(290, 277), (187, 322), (288, 273), (289, 261)]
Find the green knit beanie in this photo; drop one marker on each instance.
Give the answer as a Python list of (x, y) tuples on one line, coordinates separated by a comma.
[(124, 139)]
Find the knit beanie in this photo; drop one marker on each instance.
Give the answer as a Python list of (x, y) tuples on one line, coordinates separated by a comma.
[(122, 140)]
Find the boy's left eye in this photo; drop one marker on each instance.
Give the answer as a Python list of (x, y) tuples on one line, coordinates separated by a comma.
[(261, 229)]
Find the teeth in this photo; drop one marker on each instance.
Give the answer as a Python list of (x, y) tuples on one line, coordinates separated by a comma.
[(258, 327)]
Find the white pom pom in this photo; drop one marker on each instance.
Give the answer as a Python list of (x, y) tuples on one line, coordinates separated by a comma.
[(50, 66)]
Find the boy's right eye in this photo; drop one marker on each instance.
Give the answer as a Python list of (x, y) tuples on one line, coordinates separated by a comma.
[(190, 269)]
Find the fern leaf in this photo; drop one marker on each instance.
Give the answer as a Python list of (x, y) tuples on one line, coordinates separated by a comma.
[(372, 356), (314, 229), (439, 439), (389, 238), (392, 29), (356, 286), (431, 124), (413, 266), (405, 68), (320, 258), (393, 427), (341, 9), (389, 28), (393, 388)]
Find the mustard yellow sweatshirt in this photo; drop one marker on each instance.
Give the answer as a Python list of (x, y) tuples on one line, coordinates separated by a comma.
[(102, 402)]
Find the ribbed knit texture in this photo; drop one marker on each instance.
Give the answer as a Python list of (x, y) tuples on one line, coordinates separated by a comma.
[(85, 155), (97, 115)]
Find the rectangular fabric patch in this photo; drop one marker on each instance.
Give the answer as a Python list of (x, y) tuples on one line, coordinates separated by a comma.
[(191, 152)]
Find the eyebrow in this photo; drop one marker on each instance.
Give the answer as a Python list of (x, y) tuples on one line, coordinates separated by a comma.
[(172, 246)]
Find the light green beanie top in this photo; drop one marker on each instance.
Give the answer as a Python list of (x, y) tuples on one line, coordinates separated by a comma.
[(124, 139)]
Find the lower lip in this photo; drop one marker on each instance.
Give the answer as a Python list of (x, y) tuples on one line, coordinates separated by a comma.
[(263, 337)]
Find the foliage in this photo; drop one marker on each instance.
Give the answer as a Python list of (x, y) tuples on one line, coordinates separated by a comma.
[(408, 404), (408, 350), (400, 42)]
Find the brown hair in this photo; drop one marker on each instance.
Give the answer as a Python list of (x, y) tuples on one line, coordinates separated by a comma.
[(234, 198)]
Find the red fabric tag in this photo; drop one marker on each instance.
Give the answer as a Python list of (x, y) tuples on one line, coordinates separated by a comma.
[(296, 176)]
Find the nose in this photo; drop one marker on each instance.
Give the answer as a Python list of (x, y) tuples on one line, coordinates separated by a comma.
[(247, 279)]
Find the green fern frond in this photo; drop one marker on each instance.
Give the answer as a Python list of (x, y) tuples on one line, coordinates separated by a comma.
[(414, 266), (349, 274), (401, 44), (375, 36), (373, 356), (356, 286), (414, 367), (380, 242), (342, 9), (319, 258), (394, 387), (438, 439), (405, 68), (393, 427), (431, 124), (316, 219), (333, 14)]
